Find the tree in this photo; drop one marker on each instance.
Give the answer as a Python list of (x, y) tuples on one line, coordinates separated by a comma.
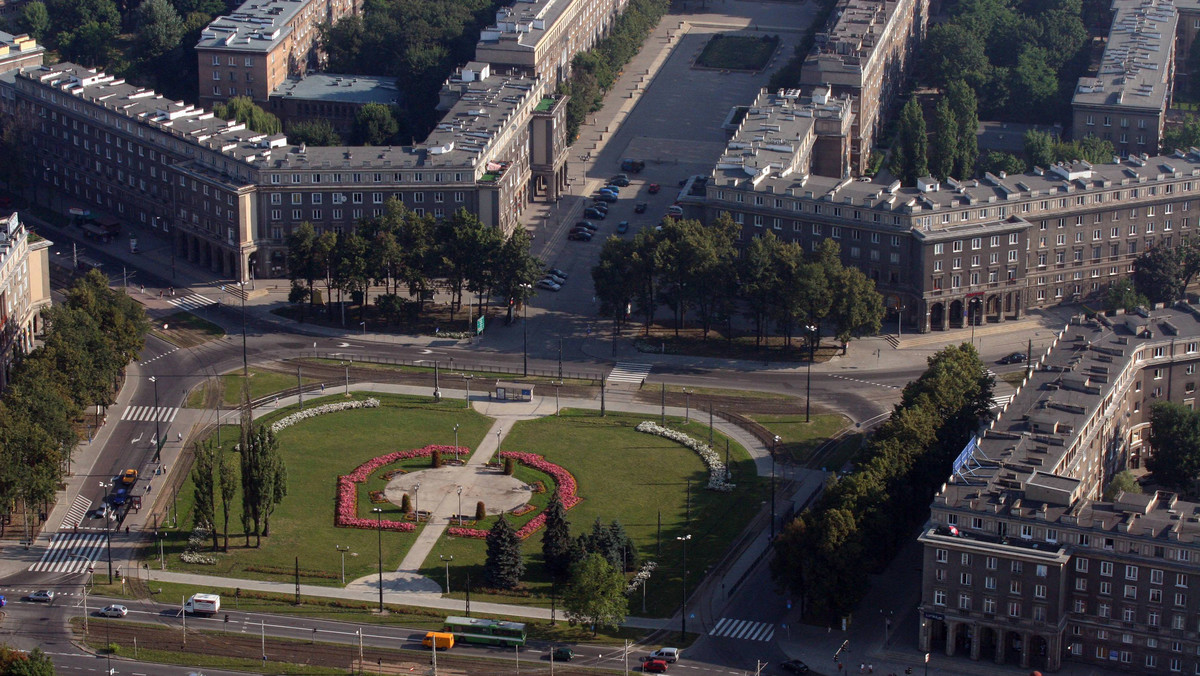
[(227, 478), (857, 307), (35, 20), (503, 568), (1034, 83), (596, 595), (952, 52), (1162, 274), (1123, 295), (944, 150), (264, 480), (909, 153), (1187, 134), (1175, 444), (204, 480), (1039, 148), (375, 125), (557, 546), (997, 162), (89, 43), (19, 663), (628, 559), (313, 133), (159, 28), (966, 115), (243, 109), (1123, 481)]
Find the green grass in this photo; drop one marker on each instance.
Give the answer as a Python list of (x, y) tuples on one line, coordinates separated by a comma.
[(454, 376), (843, 453), (718, 392), (185, 329), (315, 454), (631, 477), (800, 439), (262, 383), (738, 52), (1014, 378)]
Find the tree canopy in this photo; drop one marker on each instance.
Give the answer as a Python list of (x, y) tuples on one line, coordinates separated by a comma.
[(243, 109), (504, 566), (596, 594), (1175, 444)]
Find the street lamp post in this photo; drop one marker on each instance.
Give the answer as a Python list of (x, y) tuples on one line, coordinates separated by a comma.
[(343, 551), (774, 446), (683, 615), (467, 380), (687, 405), (557, 384), (158, 444), (808, 380), (447, 560), (460, 514), (417, 499), (899, 323), (456, 439), (379, 538), (437, 389), (525, 331), (108, 528)]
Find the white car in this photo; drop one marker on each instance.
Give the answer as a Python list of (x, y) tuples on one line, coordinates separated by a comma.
[(41, 595), (548, 284), (115, 610)]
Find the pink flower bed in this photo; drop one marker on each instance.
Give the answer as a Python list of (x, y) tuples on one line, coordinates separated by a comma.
[(346, 511), (565, 489)]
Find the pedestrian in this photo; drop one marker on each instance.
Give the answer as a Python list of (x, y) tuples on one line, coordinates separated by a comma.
[(127, 530), (839, 667), (160, 294), (142, 289), (870, 668), (862, 668), (178, 436)]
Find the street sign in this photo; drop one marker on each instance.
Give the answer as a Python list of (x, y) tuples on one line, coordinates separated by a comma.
[(479, 324)]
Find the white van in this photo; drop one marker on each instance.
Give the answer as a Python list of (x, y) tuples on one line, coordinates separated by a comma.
[(668, 655), (202, 604)]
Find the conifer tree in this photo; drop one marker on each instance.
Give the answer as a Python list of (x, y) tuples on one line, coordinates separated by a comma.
[(504, 567)]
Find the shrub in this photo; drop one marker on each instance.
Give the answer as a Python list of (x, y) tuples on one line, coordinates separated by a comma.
[(510, 466), (437, 459), (406, 504), (480, 511), (113, 648)]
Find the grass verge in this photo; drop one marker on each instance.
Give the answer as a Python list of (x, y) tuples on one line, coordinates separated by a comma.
[(184, 329), (738, 52), (800, 439)]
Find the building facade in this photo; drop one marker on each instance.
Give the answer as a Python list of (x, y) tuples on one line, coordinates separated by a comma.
[(262, 43), (864, 53), (331, 98), (227, 197), (541, 37), (1025, 562), (24, 289), (1126, 102)]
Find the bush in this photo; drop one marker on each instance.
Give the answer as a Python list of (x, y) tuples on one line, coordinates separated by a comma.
[(113, 648), (510, 466), (480, 511), (406, 504), (436, 459)]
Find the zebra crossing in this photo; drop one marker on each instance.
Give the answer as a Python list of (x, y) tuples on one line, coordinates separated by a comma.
[(1001, 400), (629, 372), (70, 553), (78, 511), (147, 413), (746, 630), (191, 302)]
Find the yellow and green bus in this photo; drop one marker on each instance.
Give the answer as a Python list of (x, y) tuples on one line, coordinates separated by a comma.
[(490, 632)]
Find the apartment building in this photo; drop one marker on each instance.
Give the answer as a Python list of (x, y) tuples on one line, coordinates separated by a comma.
[(1025, 562), (253, 50), (227, 197), (18, 51), (1127, 100), (864, 52), (986, 250), (542, 37), (24, 289), (331, 98)]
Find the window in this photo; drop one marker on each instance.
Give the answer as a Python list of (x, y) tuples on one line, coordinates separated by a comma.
[(966, 558), (991, 562), (1040, 570), (942, 555), (939, 597), (1131, 573), (964, 579), (1014, 608), (1106, 567), (989, 605)]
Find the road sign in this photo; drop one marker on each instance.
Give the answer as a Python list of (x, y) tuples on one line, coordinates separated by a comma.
[(479, 324)]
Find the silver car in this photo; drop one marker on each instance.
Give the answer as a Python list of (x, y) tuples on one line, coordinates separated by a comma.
[(115, 610)]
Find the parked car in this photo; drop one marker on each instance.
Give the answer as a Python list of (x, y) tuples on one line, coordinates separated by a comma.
[(605, 196), (653, 666), (639, 208), (654, 188), (594, 213), (586, 225), (612, 188), (41, 595), (1014, 358), (563, 654), (602, 206), (115, 610), (794, 667), (557, 273), (3, 602), (555, 278), (675, 210), (629, 164), (623, 227), (668, 654), (580, 236), (619, 180), (548, 284)]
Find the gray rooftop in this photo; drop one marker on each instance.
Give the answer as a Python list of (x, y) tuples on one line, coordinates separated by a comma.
[(253, 27), (335, 88), (17, 45), (845, 45), (1136, 66), (525, 22)]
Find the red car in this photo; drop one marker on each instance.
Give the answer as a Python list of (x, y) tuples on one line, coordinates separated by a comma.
[(654, 188), (653, 666)]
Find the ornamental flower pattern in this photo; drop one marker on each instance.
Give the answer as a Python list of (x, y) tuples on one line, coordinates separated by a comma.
[(565, 488), (287, 421), (346, 509), (716, 468), (640, 579)]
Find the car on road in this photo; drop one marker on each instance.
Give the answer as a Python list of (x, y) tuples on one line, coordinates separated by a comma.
[(563, 654), (639, 208), (668, 654), (41, 595), (1014, 358), (3, 602), (580, 236), (594, 213), (604, 196), (555, 278), (675, 210), (654, 188), (557, 273), (548, 284), (653, 666), (586, 225), (623, 227), (794, 667), (620, 180), (115, 610), (129, 477)]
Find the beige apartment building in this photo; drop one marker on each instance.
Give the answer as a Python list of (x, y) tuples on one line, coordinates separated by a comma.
[(253, 50), (865, 52), (542, 36), (24, 289)]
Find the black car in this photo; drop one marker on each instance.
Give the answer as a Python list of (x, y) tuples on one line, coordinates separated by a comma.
[(594, 213), (1014, 358), (620, 180), (580, 236), (599, 206), (639, 208), (623, 227), (794, 667), (586, 225)]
